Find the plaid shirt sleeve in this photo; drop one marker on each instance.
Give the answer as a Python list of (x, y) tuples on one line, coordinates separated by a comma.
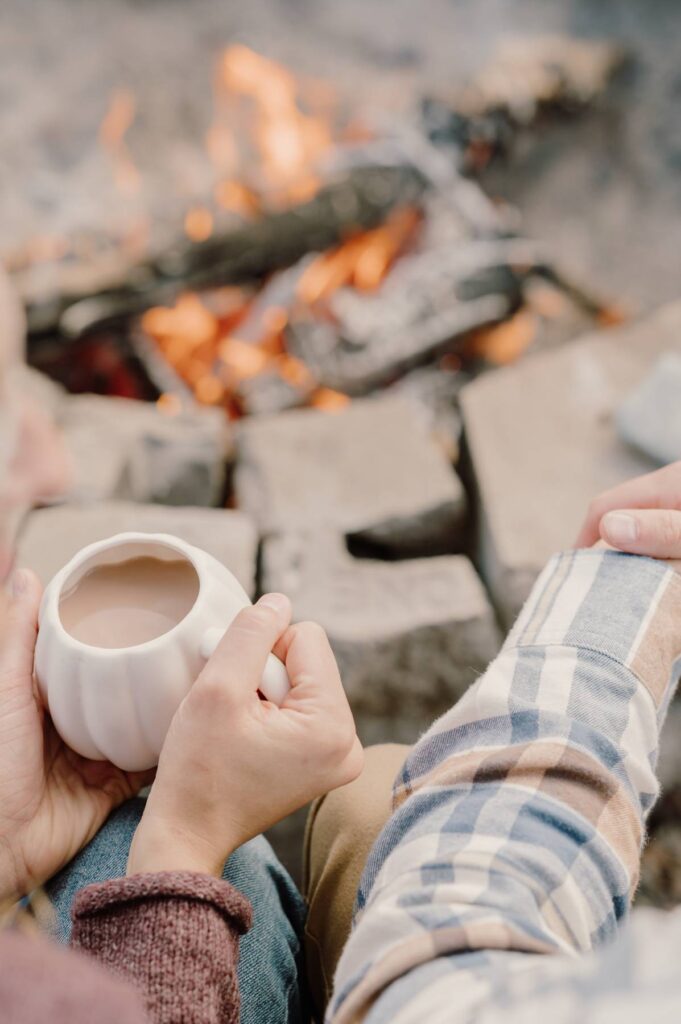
[(519, 816)]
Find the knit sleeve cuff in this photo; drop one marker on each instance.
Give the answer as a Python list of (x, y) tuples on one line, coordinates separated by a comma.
[(163, 886)]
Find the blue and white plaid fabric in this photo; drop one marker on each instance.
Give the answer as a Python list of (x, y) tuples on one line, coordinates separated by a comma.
[(518, 823)]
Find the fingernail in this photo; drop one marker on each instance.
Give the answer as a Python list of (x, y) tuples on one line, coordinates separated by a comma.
[(19, 583), (279, 602), (620, 528)]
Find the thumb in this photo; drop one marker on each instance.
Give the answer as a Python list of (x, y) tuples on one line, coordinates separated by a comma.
[(20, 628), (653, 532), (240, 657)]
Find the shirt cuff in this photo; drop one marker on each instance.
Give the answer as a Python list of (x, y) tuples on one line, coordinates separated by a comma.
[(625, 607)]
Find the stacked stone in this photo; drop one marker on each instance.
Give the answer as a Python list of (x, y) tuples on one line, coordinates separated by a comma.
[(122, 449), (359, 516), (544, 437), (411, 628), (411, 625)]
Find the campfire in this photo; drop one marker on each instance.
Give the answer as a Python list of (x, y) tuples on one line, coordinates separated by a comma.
[(332, 256)]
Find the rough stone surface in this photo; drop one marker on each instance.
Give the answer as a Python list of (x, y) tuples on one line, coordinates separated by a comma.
[(53, 535), (434, 392), (650, 418), (409, 636), (131, 450), (100, 462), (370, 470), (543, 442)]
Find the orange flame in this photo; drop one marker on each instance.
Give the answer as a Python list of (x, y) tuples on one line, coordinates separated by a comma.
[(289, 141), (362, 261), (241, 360), (288, 130), (505, 342), (198, 223), (205, 348), (169, 404), (112, 131), (329, 400), (237, 197), (183, 329)]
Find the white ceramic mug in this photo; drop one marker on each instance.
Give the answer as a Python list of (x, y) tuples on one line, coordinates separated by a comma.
[(116, 704)]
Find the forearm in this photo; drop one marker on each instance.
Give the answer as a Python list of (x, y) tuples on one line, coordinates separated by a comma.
[(519, 816), (175, 936)]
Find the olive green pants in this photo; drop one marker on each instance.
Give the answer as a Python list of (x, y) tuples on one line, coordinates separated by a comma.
[(341, 829)]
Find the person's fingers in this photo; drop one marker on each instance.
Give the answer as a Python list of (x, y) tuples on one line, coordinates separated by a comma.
[(654, 532), (239, 659), (649, 491), (20, 629), (305, 650)]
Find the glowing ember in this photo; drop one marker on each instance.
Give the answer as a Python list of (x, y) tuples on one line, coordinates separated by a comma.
[(294, 371), (112, 131), (198, 223), (189, 322), (329, 400), (170, 405), (612, 316), (241, 360), (203, 344), (382, 248), (237, 197), (209, 390), (505, 342), (362, 261)]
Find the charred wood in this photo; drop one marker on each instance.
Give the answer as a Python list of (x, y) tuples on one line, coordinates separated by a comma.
[(361, 200), (429, 303)]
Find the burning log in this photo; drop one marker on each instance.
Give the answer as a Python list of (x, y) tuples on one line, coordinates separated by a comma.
[(430, 300), (363, 199)]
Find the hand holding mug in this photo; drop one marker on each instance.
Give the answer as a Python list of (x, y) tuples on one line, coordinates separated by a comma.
[(52, 801), (232, 764)]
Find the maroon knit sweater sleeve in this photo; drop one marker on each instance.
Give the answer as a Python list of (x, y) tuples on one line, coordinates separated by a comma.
[(174, 935)]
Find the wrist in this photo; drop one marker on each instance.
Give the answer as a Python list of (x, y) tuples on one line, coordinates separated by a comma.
[(163, 846), (10, 887)]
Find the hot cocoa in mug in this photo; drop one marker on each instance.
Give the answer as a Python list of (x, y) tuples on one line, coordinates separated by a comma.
[(125, 629)]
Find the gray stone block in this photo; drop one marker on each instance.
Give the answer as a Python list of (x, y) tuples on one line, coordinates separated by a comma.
[(543, 441), (650, 418), (52, 536), (182, 460), (409, 636), (132, 450), (100, 461), (370, 470)]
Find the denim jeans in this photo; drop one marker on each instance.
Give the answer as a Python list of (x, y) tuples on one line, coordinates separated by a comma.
[(270, 967)]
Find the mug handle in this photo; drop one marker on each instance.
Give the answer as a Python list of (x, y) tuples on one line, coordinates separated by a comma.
[(275, 681)]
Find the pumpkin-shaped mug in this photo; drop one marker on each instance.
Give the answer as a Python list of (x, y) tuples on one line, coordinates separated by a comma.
[(125, 628)]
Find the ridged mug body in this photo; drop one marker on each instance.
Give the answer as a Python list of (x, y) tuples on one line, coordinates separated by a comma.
[(116, 704)]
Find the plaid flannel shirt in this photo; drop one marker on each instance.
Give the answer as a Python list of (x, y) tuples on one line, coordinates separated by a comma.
[(518, 824)]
